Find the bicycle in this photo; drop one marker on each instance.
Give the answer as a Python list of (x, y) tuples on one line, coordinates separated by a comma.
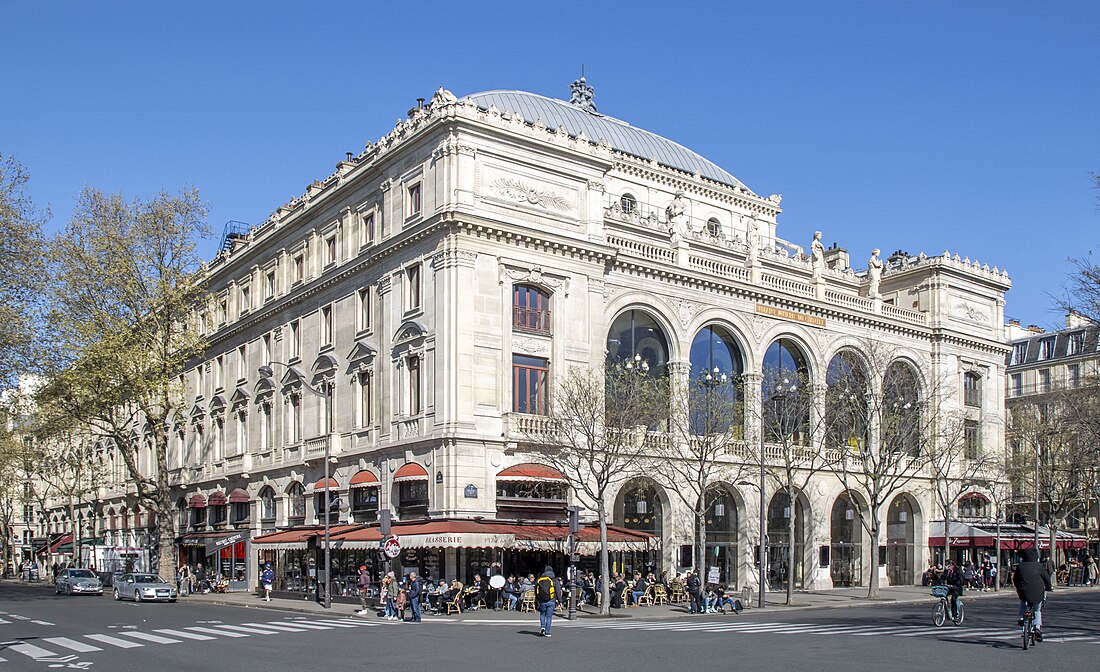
[(1028, 628), (943, 607)]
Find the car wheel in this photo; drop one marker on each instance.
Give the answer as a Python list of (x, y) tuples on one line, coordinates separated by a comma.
[(137, 596), (56, 589), (172, 601), (69, 589), (118, 595)]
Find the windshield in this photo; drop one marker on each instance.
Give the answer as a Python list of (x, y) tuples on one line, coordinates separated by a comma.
[(147, 578), (80, 574)]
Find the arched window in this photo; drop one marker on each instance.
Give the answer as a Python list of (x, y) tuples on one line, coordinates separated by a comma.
[(636, 333), (973, 506), (714, 228), (846, 551), (628, 204), (530, 309), (785, 394), (972, 389), (779, 540), (716, 398), (846, 403), (640, 507), (267, 504), (901, 410), (296, 500), (721, 522)]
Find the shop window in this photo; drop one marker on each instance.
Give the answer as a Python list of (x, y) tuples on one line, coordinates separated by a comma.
[(296, 501), (413, 499), (530, 309), (529, 384)]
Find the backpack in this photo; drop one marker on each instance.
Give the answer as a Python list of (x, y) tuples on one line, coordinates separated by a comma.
[(545, 592)]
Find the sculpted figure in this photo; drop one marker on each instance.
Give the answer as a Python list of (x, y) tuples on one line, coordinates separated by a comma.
[(443, 97), (817, 254), (753, 242), (874, 272), (677, 216)]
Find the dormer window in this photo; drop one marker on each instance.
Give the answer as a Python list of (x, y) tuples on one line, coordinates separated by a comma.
[(1075, 343), (1046, 348), (1019, 353), (628, 204)]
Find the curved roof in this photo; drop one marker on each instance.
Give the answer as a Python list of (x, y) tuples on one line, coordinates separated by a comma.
[(619, 134), (410, 471)]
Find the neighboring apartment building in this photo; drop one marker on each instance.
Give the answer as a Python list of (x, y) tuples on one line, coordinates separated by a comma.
[(433, 288), (1043, 364)]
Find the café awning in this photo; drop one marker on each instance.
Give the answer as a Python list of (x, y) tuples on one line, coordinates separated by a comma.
[(410, 471), (1013, 536)]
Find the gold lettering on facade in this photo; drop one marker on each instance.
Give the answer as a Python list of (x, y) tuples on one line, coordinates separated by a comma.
[(782, 314)]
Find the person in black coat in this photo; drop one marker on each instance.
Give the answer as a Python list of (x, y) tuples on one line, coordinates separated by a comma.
[(694, 587), (1032, 581), (953, 579)]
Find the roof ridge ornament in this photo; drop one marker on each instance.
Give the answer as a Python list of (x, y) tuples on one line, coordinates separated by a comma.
[(582, 95)]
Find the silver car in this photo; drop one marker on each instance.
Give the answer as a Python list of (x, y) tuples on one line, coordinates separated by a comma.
[(144, 588), (77, 582)]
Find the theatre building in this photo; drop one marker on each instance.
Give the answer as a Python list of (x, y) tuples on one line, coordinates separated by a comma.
[(417, 306)]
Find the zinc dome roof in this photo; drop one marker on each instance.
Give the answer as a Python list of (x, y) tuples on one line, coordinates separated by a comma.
[(615, 132)]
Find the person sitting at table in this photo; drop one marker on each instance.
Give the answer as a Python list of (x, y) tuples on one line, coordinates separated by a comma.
[(455, 589), (528, 583), (640, 588), (474, 592), (617, 586), (512, 593), (434, 594)]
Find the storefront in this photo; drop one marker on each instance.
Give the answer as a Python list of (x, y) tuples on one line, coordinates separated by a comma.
[(223, 555), (974, 542)]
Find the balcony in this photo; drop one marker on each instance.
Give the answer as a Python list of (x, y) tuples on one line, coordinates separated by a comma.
[(316, 447), (525, 427), (409, 427), (531, 320)]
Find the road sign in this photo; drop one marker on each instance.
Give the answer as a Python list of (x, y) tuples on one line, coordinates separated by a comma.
[(391, 547)]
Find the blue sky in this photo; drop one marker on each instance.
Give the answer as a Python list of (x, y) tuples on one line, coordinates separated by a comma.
[(968, 126)]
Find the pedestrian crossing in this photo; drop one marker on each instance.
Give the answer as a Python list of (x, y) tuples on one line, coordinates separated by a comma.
[(854, 630), (60, 649)]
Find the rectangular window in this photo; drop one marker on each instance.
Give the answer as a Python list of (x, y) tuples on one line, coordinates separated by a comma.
[(364, 500), (266, 350), (414, 200), (1019, 353), (1046, 348), (270, 285), (266, 427), (295, 339), (972, 439), (412, 282), (367, 229), (1017, 385), (242, 434), (223, 312), (364, 418), (1044, 380), (294, 418), (1073, 375), (414, 385), (363, 309), (219, 372), (330, 250), (299, 267), (326, 325), (1075, 343), (972, 389), (200, 381), (219, 437), (246, 301), (242, 362), (529, 384)]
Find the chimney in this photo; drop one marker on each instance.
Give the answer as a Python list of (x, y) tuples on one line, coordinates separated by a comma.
[(1013, 323), (1035, 329), (837, 259)]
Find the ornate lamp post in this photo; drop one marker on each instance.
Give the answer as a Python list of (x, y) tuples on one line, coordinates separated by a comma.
[(268, 372)]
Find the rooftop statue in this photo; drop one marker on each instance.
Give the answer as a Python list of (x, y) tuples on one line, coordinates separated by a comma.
[(874, 273), (443, 97), (582, 95), (817, 255), (677, 216)]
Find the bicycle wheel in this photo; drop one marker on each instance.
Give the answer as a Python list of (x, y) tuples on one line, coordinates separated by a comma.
[(1026, 629), (939, 614), (959, 616)]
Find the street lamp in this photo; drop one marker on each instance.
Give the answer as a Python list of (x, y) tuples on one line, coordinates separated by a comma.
[(1038, 453), (268, 372)]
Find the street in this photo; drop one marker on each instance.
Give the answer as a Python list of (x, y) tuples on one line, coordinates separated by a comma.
[(41, 631)]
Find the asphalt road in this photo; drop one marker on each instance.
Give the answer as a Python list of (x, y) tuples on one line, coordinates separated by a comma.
[(41, 631)]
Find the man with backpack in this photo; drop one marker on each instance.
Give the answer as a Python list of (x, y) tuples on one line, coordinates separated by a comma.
[(547, 595)]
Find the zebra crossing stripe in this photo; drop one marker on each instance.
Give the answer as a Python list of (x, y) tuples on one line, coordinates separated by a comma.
[(184, 634), (72, 644), (342, 624), (273, 626), (308, 626), (113, 641), (29, 650), (212, 631), (867, 632), (149, 637), (250, 631)]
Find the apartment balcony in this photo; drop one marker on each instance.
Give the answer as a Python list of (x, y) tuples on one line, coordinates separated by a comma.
[(315, 448)]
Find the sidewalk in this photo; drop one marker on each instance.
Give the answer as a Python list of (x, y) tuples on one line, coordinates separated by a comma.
[(803, 600)]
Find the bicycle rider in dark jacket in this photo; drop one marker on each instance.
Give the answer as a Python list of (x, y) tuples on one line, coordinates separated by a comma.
[(953, 579), (1032, 580)]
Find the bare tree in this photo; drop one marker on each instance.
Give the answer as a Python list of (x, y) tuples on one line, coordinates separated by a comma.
[(957, 462), (706, 427), (129, 281), (597, 433)]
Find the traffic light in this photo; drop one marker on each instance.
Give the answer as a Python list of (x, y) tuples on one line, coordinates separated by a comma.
[(574, 519), (384, 522)]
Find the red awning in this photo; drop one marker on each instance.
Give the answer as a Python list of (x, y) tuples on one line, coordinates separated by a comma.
[(320, 484), (239, 496), (217, 498), (67, 539), (363, 479), (298, 537), (530, 471), (973, 494), (197, 502), (410, 471)]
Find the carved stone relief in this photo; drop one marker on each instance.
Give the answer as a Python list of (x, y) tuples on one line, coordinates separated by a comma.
[(686, 310), (538, 347), (523, 192), (967, 311)]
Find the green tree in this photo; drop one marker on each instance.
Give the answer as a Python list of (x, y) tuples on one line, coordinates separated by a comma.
[(128, 282), (21, 274)]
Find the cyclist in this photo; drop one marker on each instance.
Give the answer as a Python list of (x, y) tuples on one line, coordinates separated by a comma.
[(1032, 580), (953, 579)]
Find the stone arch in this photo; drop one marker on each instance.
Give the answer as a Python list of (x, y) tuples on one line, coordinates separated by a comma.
[(643, 504), (902, 399), (903, 518), (716, 393), (846, 552), (847, 385), (641, 331), (780, 512), (723, 536)]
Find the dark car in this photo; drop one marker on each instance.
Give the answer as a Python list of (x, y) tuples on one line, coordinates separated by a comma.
[(77, 582)]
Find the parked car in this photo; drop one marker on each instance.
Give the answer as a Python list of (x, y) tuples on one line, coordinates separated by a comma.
[(144, 588), (77, 581)]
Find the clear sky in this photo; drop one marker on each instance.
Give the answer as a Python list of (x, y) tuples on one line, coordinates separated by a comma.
[(968, 126)]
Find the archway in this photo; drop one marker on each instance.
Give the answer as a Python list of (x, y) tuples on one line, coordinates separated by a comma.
[(846, 403), (640, 505), (785, 393), (846, 549), (779, 540), (722, 525), (716, 397), (636, 333), (901, 541)]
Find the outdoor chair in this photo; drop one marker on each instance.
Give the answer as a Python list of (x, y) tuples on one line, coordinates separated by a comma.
[(527, 602), (660, 595), (455, 605)]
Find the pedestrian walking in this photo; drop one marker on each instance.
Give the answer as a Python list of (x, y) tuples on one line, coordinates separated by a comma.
[(414, 596), (267, 578), (363, 582), (547, 596), (389, 591)]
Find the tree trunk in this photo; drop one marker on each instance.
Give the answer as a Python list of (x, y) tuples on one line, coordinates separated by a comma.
[(790, 548), (1053, 551), (701, 539), (605, 574), (872, 579)]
